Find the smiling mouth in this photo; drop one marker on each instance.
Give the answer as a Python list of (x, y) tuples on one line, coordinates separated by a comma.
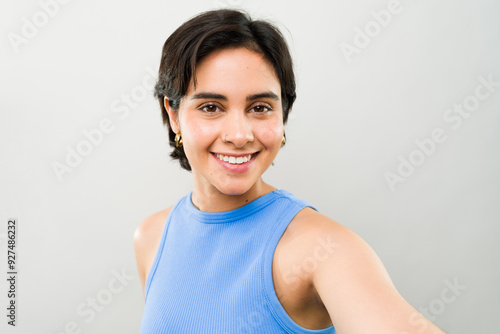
[(234, 160)]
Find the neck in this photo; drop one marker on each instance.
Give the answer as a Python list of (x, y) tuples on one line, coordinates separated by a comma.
[(211, 199)]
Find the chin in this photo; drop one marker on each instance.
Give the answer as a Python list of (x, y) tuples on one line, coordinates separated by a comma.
[(235, 189)]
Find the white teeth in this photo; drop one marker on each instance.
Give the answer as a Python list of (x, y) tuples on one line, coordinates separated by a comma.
[(234, 160)]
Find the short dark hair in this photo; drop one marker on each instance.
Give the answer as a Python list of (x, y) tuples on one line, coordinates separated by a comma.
[(212, 31)]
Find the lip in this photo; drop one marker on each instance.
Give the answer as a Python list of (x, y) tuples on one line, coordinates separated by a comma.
[(236, 168), (235, 154)]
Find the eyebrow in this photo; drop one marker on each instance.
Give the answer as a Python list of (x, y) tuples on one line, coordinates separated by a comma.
[(268, 94), (252, 97), (201, 96)]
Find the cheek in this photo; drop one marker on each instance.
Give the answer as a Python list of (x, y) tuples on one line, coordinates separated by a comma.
[(271, 133), (197, 136)]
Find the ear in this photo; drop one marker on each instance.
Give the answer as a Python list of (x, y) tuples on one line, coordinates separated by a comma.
[(173, 117)]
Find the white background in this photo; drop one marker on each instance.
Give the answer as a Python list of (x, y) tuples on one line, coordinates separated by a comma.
[(351, 122)]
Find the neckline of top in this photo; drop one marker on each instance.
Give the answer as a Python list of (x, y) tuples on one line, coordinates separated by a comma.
[(231, 215)]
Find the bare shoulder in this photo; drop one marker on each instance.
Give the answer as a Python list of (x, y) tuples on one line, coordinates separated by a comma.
[(335, 246), (146, 241), (311, 221), (351, 280), (304, 246), (312, 229)]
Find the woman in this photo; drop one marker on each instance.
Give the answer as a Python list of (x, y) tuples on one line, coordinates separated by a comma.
[(237, 255)]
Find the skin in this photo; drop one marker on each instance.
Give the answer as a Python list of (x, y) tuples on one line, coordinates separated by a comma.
[(236, 109)]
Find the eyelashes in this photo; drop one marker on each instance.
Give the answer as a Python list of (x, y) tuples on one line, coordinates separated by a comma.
[(262, 108), (209, 108), (258, 108)]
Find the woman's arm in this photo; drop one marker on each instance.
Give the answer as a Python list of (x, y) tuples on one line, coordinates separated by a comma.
[(147, 238), (355, 287)]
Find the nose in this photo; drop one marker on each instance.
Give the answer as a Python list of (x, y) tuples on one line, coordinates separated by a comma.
[(238, 129)]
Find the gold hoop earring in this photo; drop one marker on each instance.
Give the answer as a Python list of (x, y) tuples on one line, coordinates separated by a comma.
[(178, 140), (283, 141)]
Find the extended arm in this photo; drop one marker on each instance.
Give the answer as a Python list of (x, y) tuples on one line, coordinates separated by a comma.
[(357, 290)]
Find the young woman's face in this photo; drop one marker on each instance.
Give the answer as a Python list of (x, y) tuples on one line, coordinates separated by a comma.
[(232, 123)]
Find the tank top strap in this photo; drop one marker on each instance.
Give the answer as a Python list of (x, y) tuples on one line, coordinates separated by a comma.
[(293, 208)]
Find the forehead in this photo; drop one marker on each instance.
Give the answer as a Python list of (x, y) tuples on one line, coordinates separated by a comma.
[(235, 70)]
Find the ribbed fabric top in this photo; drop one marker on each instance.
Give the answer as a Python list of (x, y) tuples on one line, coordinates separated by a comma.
[(213, 270)]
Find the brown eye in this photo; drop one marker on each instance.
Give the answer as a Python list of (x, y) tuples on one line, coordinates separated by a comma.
[(261, 108), (210, 108)]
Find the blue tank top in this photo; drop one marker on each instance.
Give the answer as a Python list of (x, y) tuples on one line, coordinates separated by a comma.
[(212, 272)]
